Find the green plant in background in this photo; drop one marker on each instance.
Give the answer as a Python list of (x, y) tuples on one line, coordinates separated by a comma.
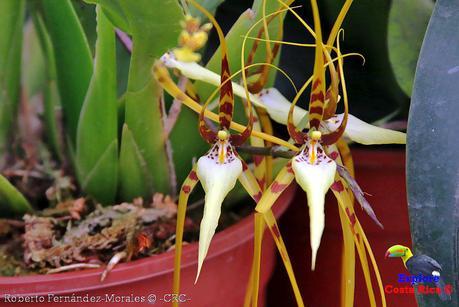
[(109, 165), (12, 18)]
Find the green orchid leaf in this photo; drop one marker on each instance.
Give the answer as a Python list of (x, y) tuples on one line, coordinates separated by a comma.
[(87, 16), (73, 59), (143, 116), (154, 27), (11, 22), (51, 98), (115, 11), (97, 139), (408, 21), (133, 165), (12, 202), (432, 164)]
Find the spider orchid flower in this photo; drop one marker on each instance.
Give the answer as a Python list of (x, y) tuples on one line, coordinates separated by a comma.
[(220, 168), (315, 166)]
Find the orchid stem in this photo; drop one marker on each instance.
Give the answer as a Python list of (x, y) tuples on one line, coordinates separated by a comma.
[(274, 151)]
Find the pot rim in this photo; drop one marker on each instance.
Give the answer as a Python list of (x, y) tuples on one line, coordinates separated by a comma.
[(140, 269)]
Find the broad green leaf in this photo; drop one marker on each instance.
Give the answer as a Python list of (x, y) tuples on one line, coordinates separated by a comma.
[(51, 99), (11, 21), (408, 21), (154, 27), (97, 140), (432, 164), (132, 164), (73, 59), (12, 202)]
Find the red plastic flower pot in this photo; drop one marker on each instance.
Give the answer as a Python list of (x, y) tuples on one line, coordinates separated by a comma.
[(380, 173), (148, 281)]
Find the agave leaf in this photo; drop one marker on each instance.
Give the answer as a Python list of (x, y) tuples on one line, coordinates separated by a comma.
[(12, 202), (11, 21), (408, 21), (73, 59), (433, 167), (97, 139)]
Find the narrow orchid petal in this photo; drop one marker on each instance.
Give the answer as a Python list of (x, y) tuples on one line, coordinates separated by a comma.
[(315, 173), (364, 133), (278, 107), (187, 187), (358, 193), (194, 71), (218, 172)]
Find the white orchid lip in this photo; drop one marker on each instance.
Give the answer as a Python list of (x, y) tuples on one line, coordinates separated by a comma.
[(218, 172), (315, 173)]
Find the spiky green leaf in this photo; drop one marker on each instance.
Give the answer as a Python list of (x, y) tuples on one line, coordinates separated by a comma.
[(97, 139), (73, 59), (12, 202), (11, 21), (154, 27)]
